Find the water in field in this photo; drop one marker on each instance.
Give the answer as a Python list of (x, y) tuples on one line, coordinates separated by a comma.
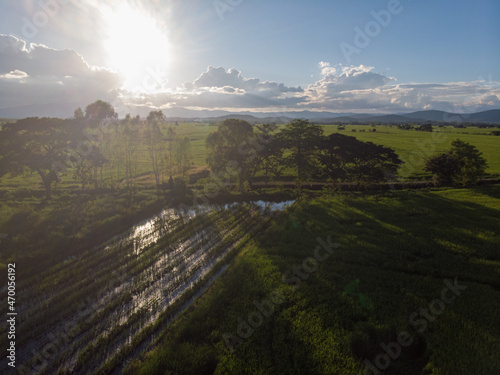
[(116, 292), (148, 231)]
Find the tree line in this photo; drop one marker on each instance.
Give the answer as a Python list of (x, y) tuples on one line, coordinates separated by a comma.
[(91, 142), (237, 152), (95, 143)]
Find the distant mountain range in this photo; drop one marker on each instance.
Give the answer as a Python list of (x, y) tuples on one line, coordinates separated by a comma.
[(432, 116), (421, 117), (183, 114)]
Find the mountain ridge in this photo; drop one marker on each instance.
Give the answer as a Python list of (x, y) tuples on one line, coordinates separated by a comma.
[(324, 117)]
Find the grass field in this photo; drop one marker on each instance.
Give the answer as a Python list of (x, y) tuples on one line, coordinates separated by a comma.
[(282, 306), (142, 164), (398, 255), (412, 146)]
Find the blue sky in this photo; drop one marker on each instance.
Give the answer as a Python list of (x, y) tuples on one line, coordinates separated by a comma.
[(275, 55)]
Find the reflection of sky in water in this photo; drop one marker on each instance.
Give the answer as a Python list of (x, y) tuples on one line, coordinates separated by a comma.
[(150, 230)]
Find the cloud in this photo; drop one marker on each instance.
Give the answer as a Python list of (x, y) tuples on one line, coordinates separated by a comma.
[(361, 89), (337, 81), (219, 77), (14, 74), (221, 88), (38, 75), (326, 68), (35, 76)]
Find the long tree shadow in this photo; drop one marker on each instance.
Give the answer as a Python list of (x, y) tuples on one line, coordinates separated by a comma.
[(398, 250), (395, 250)]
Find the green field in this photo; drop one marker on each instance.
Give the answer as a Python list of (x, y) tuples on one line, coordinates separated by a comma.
[(397, 254), (414, 146), (142, 164), (287, 302), (407, 144)]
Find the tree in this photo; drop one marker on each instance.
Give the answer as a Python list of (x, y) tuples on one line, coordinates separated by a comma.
[(303, 140), (231, 150), (425, 128), (130, 140), (98, 111), (461, 165), (95, 114), (79, 114), (346, 158), (154, 142), (171, 138), (85, 151), (87, 163), (270, 154), (183, 155), (442, 166), (36, 144)]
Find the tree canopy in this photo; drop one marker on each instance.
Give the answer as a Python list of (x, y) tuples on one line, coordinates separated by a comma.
[(35, 144), (302, 139), (230, 151), (98, 111), (461, 165), (301, 146)]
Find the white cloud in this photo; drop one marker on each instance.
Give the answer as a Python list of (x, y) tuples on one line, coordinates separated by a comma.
[(344, 79), (37, 75), (326, 68), (218, 88), (219, 77), (14, 74), (361, 89)]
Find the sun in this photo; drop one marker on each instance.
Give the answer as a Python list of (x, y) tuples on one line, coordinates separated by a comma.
[(137, 48)]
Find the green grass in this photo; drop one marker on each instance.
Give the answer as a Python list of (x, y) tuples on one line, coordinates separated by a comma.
[(409, 144), (44, 232), (396, 250), (405, 143), (114, 170)]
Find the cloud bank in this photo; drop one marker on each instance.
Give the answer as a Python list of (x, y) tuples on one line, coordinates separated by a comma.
[(37, 75)]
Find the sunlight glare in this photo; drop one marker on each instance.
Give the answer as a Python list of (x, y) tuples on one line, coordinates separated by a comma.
[(137, 48)]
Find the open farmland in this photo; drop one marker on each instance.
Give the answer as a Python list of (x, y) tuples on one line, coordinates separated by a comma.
[(127, 289), (235, 187), (395, 253), (412, 146)]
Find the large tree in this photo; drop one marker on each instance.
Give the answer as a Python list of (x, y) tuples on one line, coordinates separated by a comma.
[(461, 165), (35, 144), (129, 139), (96, 114), (270, 154), (302, 139), (347, 158), (231, 150), (98, 111)]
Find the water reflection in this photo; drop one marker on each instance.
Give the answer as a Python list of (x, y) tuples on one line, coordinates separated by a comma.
[(149, 231)]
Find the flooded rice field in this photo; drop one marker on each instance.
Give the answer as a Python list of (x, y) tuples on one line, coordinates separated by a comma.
[(97, 311)]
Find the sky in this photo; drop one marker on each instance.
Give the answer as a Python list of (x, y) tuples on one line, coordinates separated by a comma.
[(343, 56)]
